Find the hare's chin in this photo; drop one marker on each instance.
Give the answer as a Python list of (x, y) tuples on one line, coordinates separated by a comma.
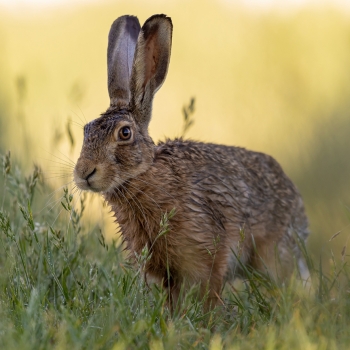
[(115, 184), (90, 186)]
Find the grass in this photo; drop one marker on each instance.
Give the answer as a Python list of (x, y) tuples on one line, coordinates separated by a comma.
[(63, 286)]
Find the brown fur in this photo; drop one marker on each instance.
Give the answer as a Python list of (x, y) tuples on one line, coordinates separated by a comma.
[(229, 202)]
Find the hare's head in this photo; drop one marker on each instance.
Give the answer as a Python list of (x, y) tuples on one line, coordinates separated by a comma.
[(117, 146)]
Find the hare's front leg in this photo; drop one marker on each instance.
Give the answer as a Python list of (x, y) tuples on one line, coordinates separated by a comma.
[(212, 282)]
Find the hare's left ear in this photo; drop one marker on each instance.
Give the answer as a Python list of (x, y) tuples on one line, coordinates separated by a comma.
[(150, 67)]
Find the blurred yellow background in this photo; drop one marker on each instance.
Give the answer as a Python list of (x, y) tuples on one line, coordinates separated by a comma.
[(269, 79)]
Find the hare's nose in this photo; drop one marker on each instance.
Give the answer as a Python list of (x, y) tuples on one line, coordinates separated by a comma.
[(87, 177)]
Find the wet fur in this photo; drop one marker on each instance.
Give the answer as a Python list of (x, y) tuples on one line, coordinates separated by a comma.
[(229, 202)]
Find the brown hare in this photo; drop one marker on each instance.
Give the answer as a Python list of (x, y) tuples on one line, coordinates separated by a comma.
[(229, 202)]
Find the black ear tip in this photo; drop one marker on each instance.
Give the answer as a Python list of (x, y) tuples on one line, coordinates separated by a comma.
[(160, 17)]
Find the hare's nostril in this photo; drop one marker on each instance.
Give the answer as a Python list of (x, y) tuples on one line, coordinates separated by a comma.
[(89, 175)]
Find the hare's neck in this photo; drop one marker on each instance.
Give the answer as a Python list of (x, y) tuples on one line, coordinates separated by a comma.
[(136, 211)]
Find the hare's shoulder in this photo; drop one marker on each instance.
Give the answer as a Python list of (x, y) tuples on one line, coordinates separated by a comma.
[(189, 149)]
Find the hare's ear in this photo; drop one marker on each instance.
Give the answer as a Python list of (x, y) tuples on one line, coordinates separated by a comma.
[(150, 65), (122, 41)]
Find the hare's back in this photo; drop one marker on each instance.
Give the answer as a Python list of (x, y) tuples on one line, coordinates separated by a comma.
[(244, 187)]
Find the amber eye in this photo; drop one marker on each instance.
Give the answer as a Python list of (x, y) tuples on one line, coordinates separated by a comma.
[(125, 133)]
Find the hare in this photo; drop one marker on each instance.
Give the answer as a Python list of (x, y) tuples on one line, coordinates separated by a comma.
[(230, 203)]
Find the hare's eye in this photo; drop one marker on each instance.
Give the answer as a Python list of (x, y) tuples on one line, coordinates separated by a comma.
[(125, 133)]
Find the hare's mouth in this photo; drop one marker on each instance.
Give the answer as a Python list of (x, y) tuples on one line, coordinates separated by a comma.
[(90, 178), (90, 184)]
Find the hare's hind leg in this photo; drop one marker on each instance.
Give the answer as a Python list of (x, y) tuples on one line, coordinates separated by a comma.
[(268, 261), (274, 259), (280, 259)]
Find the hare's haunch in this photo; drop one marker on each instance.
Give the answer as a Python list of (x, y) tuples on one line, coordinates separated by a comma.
[(229, 202)]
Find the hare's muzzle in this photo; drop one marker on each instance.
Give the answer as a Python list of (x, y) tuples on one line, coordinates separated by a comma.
[(87, 175)]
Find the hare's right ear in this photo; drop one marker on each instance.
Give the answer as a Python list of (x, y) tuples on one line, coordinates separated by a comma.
[(122, 41), (150, 65)]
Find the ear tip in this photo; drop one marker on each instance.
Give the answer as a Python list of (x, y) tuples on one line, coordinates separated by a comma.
[(160, 17), (126, 20)]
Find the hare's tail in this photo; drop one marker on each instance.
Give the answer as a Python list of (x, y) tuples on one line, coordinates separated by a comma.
[(304, 273)]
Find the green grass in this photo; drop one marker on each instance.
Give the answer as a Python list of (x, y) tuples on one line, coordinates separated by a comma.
[(62, 286)]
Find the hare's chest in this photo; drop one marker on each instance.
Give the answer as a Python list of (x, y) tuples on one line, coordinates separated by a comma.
[(136, 226)]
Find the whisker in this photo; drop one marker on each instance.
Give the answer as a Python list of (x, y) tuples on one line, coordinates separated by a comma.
[(53, 204), (58, 201), (82, 114), (56, 170), (58, 189), (70, 212), (51, 195), (154, 185), (126, 200), (63, 172), (77, 124), (62, 176), (65, 164), (144, 193), (57, 217), (82, 121), (70, 160), (53, 155)]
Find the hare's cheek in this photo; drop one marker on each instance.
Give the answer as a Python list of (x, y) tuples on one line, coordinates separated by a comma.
[(126, 157), (118, 159)]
